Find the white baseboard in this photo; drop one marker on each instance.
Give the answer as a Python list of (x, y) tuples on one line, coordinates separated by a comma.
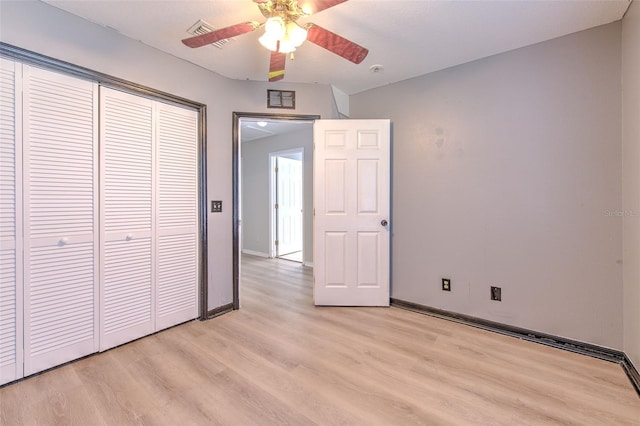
[(307, 264), (256, 253)]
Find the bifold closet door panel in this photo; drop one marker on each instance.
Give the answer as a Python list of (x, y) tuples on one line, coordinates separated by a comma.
[(127, 221), (60, 218), (177, 226), (10, 222)]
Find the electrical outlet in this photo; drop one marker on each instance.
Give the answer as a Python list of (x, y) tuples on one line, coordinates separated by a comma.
[(446, 284), (216, 207), (496, 293)]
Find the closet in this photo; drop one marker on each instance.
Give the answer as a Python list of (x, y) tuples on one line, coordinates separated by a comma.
[(98, 221), (149, 216)]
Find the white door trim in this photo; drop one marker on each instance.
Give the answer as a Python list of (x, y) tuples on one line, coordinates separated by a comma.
[(273, 199)]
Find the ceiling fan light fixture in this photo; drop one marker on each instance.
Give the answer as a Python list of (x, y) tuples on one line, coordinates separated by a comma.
[(274, 31), (269, 42), (296, 34), (275, 27), (282, 37), (285, 46)]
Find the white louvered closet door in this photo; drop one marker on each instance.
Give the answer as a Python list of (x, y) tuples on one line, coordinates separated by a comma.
[(10, 223), (60, 218), (177, 218), (127, 224)]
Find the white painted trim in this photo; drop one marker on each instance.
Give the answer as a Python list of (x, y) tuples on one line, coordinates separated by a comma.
[(273, 249), (307, 264), (256, 253)]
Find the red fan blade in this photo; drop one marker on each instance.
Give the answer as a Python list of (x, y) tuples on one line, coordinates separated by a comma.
[(221, 34), (276, 66), (315, 6), (336, 44)]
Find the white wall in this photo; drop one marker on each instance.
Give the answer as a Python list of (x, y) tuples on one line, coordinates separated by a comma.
[(505, 172), (631, 179), (255, 188), (43, 29)]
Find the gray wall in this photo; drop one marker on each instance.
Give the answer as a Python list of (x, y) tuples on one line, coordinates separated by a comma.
[(255, 189), (631, 179), (504, 172), (504, 169), (43, 29)]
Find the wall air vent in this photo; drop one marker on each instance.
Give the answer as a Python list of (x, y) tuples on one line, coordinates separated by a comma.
[(202, 27)]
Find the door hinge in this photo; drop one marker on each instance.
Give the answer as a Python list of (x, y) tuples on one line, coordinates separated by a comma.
[(277, 243), (276, 206), (276, 169)]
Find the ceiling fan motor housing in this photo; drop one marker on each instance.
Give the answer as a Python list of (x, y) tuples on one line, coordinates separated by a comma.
[(288, 10)]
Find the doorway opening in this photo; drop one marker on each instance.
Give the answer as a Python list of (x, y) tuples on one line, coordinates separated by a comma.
[(255, 137), (287, 201)]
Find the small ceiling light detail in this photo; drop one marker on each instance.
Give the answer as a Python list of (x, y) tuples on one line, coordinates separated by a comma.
[(281, 35), (262, 123), (376, 69)]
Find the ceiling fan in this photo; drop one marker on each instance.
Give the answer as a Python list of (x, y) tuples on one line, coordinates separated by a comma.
[(283, 34)]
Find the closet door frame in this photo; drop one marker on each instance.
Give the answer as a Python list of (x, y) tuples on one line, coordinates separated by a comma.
[(31, 58)]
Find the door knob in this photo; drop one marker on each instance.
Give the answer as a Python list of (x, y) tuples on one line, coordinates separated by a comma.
[(384, 222)]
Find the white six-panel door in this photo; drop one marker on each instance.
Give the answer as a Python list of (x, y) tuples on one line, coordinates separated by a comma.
[(351, 212), (60, 218), (10, 223)]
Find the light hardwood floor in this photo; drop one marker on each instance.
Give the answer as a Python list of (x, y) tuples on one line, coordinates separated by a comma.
[(280, 361)]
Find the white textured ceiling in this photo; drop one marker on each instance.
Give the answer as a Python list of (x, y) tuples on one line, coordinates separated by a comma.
[(408, 38)]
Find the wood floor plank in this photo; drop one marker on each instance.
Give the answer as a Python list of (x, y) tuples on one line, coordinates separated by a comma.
[(281, 361), (303, 397)]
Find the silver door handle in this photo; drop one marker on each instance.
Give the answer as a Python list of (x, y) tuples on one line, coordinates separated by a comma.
[(384, 222)]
